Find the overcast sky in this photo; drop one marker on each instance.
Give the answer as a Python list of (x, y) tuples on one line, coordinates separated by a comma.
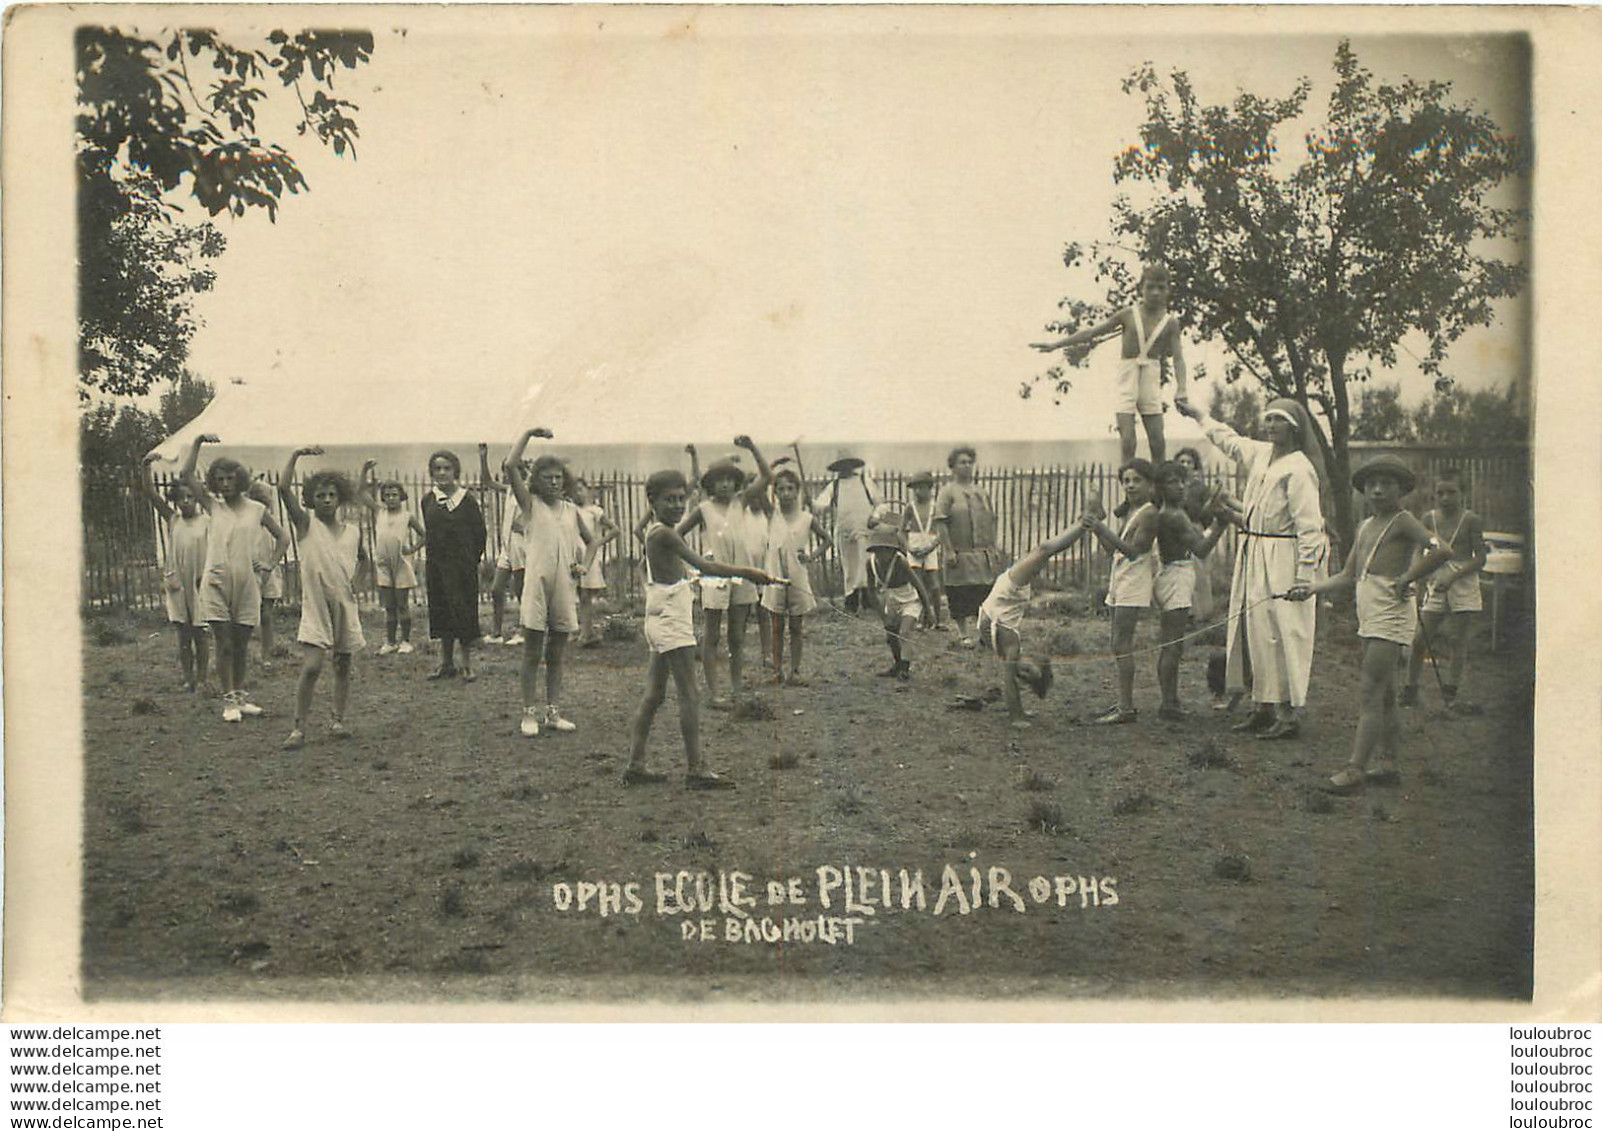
[(838, 234)]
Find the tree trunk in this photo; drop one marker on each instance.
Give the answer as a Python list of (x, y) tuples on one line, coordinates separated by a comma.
[(1340, 471)]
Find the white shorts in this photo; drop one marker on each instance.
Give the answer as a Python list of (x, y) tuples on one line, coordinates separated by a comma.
[(720, 593), (1461, 596), (1175, 586), (1381, 614), (669, 617), (1130, 585), (793, 600), (550, 604), (1006, 606), (272, 586), (902, 601), (1138, 387)]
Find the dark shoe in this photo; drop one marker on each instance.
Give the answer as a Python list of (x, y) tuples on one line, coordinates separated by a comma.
[(442, 673), (642, 777), (890, 672), (1282, 728), (1174, 714), (1407, 697), (1254, 722), (707, 782), (904, 670)]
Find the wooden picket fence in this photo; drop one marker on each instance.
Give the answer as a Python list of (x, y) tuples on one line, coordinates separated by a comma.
[(124, 545)]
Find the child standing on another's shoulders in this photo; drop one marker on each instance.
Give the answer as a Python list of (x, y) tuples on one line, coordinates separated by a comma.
[(397, 535), (670, 631), (1151, 335), (1386, 618), (1452, 600)]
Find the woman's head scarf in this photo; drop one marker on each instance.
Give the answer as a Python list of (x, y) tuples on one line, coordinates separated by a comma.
[(1306, 442)]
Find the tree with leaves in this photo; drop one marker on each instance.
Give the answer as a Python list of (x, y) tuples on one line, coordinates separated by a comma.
[(157, 117), (1310, 272), (1381, 415)]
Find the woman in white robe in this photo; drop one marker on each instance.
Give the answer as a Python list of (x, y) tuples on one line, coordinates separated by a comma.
[(1280, 551)]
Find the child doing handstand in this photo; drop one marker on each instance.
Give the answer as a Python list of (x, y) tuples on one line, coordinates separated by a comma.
[(397, 535), (1002, 615), (1386, 617), (329, 618), (670, 631), (187, 525)]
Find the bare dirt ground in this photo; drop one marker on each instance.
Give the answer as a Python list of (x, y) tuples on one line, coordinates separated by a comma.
[(426, 856)]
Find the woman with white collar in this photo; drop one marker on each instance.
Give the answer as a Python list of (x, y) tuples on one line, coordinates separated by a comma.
[(455, 543), (1281, 553)]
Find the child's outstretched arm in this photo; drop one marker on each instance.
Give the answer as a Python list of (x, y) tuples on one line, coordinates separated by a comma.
[(1085, 336), (690, 521), (674, 541), (1203, 544), (187, 473), (1435, 552), (147, 484), (1137, 543), (1334, 582), (1027, 568), (1181, 390), (286, 490), (416, 528)]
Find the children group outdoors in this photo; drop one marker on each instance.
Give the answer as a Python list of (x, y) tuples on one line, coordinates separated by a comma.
[(758, 531)]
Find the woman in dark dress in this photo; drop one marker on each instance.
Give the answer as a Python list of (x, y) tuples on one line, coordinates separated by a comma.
[(455, 543)]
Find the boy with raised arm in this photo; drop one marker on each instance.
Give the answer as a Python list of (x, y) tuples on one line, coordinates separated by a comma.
[(1151, 334), (670, 630)]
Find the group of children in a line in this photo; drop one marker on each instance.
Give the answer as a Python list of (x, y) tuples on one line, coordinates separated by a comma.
[(757, 530)]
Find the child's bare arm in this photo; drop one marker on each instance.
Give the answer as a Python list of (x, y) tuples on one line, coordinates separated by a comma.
[(484, 470), (1180, 373), (416, 528), (367, 491), (1137, 542), (187, 472), (764, 472), (147, 484), (286, 489), (674, 541), (1435, 552), (1085, 336), (280, 547), (689, 522)]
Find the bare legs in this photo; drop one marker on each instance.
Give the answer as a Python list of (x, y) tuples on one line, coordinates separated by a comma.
[(194, 653), (311, 668), (1154, 435), (681, 664), (738, 615), (552, 648), (1172, 628), (233, 641)]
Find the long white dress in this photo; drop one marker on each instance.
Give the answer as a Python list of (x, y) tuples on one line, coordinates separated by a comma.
[(1283, 545)]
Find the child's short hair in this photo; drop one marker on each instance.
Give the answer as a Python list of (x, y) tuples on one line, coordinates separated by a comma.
[(1156, 272), (546, 462), (1450, 475), (223, 466), (175, 488), (1140, 467), (664, 481), (449, 457), (316, 479), (962, 450), (1170, 470), (393, 485), (787, 473)]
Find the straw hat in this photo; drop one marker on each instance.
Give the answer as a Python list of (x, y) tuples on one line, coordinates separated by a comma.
[(884, 536), (922, 479), (1385, 465), (722, 469), (844, 461)]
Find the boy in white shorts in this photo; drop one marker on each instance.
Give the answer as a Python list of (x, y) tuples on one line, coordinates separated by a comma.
[(670, 631), (903, 595), (923, 542), (1129, 587), (1452, 600), (1386, 620), (1002, 614), (1151, 335), (1180, 550)]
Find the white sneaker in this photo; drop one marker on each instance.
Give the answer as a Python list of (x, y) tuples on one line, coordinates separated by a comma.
[(494, 640), (387, 650), (555, 721), (513, 641), (405, 648), (246, 707), (529, 727), (231, 712)]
